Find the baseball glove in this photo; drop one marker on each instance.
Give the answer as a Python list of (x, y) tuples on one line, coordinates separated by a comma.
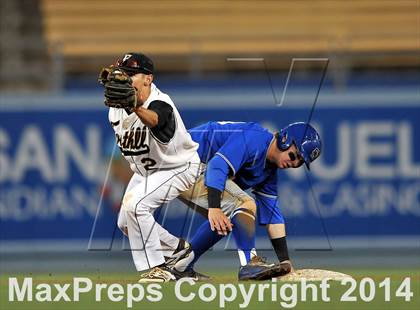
[(119, 90)]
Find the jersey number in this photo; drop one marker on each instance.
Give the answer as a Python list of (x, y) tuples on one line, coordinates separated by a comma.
[(133, 144)]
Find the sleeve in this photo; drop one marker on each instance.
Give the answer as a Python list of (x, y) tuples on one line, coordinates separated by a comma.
[(235, 151), (163, 110), (217, 172), (266, 199), (227, 161), (214, 197), (165, 129)]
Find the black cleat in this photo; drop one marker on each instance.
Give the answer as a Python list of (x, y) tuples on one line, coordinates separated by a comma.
[(258, 269), (190, 273), (284, 267)]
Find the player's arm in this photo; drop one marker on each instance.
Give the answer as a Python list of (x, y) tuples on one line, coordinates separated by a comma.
[(159, 117), (148, 117), (216, 175), (227, 161), (158, 114)]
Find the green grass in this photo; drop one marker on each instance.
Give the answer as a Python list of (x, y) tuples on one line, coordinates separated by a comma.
[(169, 300)]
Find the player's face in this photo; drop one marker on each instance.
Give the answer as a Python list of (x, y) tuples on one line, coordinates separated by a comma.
[(142, 84), (289, 158)]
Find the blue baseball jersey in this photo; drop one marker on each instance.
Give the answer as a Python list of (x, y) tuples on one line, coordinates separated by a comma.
[(239, 149)]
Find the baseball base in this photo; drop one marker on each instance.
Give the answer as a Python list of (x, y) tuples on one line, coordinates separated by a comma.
[(313, 275)]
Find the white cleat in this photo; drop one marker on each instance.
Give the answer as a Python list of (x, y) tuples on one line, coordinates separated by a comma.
[(157, 275), (180, 251), (184, 261)]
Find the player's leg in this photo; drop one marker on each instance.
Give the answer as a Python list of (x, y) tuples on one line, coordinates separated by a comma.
[(241, 208), (122, 222), (122, 218), (139, 203), (171, 246), (233, 199), (277, 235), (243, 220), (168, 240), (204, 238), (276, 231)]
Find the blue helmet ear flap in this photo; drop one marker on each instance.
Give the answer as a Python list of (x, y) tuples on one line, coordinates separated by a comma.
[(284, 140)]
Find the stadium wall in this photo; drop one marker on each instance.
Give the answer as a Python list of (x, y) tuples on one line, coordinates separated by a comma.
[(55, 150)]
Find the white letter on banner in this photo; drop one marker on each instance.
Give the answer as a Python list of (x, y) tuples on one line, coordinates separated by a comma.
[(68, 147), (366, 150), (32, 153), (343, 157), (407, 167), (4, 159)]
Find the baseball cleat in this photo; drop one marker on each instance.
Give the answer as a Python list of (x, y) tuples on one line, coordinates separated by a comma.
[(190, 273), (157, 274), (284, 267), (182, 248), (184, 261), (259, 269)]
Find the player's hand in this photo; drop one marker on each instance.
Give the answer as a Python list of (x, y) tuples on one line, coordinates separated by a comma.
[(219, 221)]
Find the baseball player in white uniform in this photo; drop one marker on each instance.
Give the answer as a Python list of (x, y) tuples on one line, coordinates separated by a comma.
[(153, 139)]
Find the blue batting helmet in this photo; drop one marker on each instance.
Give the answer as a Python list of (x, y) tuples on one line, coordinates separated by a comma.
[(306, 139)]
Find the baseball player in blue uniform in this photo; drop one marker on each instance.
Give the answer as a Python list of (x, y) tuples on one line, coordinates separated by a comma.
[(247, 155)]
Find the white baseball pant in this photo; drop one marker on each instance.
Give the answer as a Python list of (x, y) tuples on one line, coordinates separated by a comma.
[(143, 195), (195, 197)]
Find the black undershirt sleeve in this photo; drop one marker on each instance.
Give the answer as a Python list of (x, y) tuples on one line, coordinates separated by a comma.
[(165, 129), (214, 197)]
